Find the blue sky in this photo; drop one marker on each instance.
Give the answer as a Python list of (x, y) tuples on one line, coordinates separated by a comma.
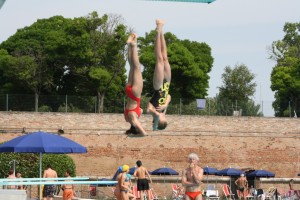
[(238, 31)]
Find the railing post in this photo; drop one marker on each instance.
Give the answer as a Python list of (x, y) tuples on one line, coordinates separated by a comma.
[(180, 106), (96, 104), (6, 102), (66, 103), (209, 106)]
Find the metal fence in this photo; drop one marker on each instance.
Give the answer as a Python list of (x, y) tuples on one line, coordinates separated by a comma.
[(89, 104)]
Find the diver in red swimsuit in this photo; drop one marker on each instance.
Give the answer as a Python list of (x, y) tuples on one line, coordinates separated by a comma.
[(191, 179), (134, 88)]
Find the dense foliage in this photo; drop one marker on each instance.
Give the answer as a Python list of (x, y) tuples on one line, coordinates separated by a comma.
[(285, 76), (80, 56), (29, 164), (236, 92)]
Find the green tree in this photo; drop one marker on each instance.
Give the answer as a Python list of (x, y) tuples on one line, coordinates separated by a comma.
[(285, 76), (190, 64), (236, 92), (31, 65), (105, 73), (80, 56)]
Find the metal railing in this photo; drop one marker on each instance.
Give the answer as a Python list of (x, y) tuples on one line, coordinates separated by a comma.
[(89, 104)]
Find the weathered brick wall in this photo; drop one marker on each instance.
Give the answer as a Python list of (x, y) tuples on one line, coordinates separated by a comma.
[(221, 142)]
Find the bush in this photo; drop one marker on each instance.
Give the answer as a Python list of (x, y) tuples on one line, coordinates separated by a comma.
[(29, 165)]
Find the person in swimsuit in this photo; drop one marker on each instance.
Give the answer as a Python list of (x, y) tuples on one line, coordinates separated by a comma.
[(134, 89), (242, 185), (68, 190), (142, 183), (11, 175), (161, 98), (49, 190), (191, 178), (124, 183)]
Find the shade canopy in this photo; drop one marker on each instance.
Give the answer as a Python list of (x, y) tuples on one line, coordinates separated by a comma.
[(193, 1), (230, 172), (164, 171), (210, 170), (261, 173), (131, 172), (42, 142)]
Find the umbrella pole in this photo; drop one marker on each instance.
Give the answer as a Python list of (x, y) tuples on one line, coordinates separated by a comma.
[(40, 196)]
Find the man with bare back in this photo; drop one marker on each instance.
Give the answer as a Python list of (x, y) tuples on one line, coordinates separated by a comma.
[(242, 185), (142, 183), (49, 190), (191, 178)]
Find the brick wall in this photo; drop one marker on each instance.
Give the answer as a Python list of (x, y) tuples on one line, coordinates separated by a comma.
[(241, 142)]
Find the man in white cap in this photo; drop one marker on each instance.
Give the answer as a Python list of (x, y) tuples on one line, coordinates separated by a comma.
[(242, 185)]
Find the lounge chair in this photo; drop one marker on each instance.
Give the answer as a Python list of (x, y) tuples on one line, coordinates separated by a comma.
[(135, 192), (227, 192), (265, 195), (177, 192), (212, 194), (153, 195)]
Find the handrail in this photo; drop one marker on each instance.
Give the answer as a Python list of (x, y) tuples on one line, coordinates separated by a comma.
[(61, 183), (42, 179)]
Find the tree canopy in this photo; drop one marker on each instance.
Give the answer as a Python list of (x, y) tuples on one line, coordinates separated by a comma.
[(285, 76), (236, 92), (82, 56)]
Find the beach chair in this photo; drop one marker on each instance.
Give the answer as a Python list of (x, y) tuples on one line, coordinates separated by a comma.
[(212, 194), (135, 192), (227, 192), (153, 195), (249, 196), (265, 195), (270, 193), (177, 192)]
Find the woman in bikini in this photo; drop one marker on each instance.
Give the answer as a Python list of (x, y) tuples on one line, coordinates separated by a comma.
[(134, 89), (191, 178), (160, 100), (124, 184)]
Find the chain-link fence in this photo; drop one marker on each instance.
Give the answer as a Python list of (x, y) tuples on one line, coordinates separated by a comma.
[(90, 104)]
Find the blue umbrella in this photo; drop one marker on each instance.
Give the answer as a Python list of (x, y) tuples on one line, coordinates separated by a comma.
[(131, 172), (230, 172), (261, 173), (164, 171), (210, 170), (42, 142)]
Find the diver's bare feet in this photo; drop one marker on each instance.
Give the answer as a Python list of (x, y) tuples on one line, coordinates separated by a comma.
[(160, 22), (132, 39), (159, 25)]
